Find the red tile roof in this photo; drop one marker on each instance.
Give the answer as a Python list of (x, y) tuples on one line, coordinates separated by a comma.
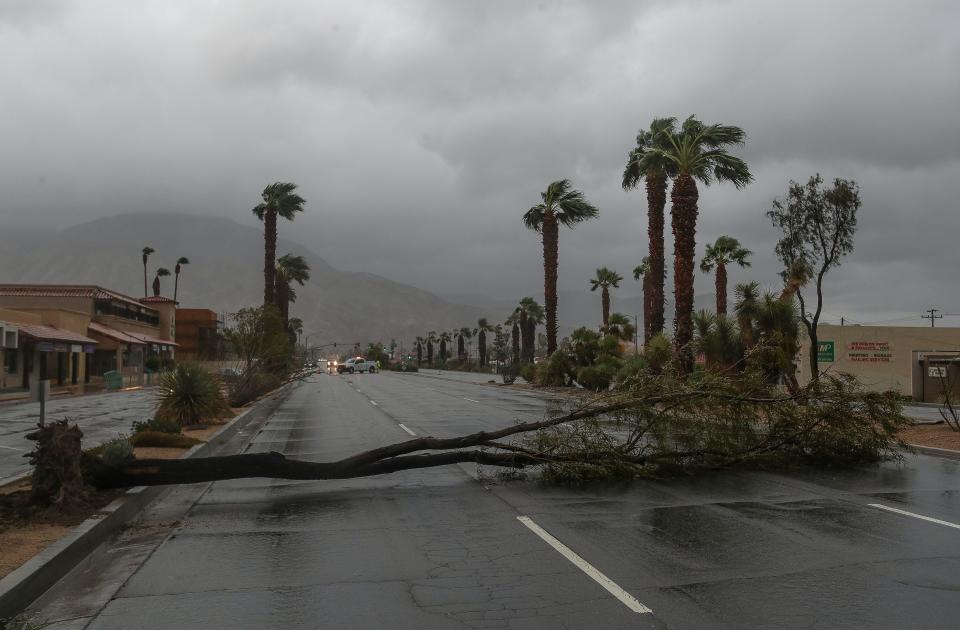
[(112, 333), (63, 290), (49, 333)]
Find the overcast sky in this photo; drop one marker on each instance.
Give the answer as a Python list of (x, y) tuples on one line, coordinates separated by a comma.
[(421, 131)]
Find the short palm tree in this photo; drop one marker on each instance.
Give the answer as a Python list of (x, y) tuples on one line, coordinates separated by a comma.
[(183, 260), (605, 279), (697, 152), (747, 308), (290, 269), (724, 251), (162, 272), (642, 272), (279, 200), (560, 205), (529, 315), (514, 323), (718, 340), (431, 339), (621, 327), (463, 335), (483, 327), (445, 339), (146, 255), (646, 162), (419, 344)]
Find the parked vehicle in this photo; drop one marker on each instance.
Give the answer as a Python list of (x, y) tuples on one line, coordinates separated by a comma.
[(357, 364)]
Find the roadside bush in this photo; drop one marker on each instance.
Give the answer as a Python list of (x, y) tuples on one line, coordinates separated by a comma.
[(152, 363), (117, 451), (189, 395), (557, 371), (251, 384), (160, 439), (529, 373), (598, 377), (167, 363), (658, 353), (405, 367), (156, 424), (633, 367)]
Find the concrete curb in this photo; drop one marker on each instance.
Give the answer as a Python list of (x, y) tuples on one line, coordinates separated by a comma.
[(936, 452), (25, 584)]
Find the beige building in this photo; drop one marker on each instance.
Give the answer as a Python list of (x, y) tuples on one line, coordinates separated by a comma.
[(74, 334), (912, 360)]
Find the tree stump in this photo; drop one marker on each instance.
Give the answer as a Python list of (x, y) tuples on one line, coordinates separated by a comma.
[(56, 460)]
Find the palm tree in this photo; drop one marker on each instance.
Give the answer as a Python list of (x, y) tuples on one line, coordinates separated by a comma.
[(146, 254), (290, 269), (462, 335), (697, 152), (431, 338), (724, 251), (605, 279), (643, 162), (778, 324), (514, 322), (621, 327), (419, 344), (161, 273), (643, 271), (718, 340), (183, 260), (747, 308), (280, 200), (445, 338), (483, 327), (561, 205)]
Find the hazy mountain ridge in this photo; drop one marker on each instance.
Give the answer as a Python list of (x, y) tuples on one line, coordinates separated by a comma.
[(225, 274)]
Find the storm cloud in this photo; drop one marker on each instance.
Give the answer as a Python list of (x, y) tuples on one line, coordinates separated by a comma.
[(421, 131)]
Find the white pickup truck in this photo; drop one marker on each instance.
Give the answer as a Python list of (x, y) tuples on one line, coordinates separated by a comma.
[(357, 364)]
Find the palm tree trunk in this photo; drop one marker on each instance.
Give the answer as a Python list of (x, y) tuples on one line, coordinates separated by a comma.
[(605, 301), (176, 285), (721, 286), (429, 354), (282, 298), (461, 353), (482, 347), (551, 238), (269, 256), (515, 340), (419, 355), (529, 340), (144, 276), (746, 332), (684, 199), (656, 202), (647, 309), (524, 337)]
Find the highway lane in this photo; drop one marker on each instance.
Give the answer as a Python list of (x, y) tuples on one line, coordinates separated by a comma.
[(437, 548)]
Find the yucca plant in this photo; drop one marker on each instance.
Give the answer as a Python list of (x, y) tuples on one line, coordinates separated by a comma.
[(190, 395)]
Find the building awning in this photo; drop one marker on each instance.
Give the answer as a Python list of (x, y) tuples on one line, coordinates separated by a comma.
[(37, 332), (156, 341), (113, 333)]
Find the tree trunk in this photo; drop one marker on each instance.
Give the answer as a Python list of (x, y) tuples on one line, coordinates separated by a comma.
[(282, 298), (812, 354), (176, 285), (269, 256), (524, 337), (419, 355), (721, 286), (647, 309), (684, 198), (482, 347), (530, 340), (429, 354), (443, 350), (515, 340), (461, 352), (144, 276), (656, 202), (605, 302), (550, 244)]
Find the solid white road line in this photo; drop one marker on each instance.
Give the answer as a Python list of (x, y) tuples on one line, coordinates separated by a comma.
[(12, 449), (625, 598), (373, 402), (404, 427), (920, 516), (471, 399)]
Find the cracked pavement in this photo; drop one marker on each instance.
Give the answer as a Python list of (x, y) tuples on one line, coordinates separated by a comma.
[(442, 548)]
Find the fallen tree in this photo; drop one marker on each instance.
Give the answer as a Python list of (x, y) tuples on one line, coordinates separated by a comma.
[(652, 425)]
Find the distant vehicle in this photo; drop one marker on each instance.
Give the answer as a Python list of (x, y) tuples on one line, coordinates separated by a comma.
[(329, 366), (357, 364)]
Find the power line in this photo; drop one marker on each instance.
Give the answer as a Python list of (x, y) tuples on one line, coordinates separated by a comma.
[(932, 315)]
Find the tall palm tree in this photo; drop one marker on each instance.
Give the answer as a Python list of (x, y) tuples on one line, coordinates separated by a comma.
[(431, 339), (279, 200), (290, 269), (183, 260), (514, 322), (724, 251), (697, 152), (561, 205), (642, 271), (162, 272), (483, 327), (535, 316), (445, 339), (145, 255), (643, 162), (605, 279), (419, 344), (462, 335)]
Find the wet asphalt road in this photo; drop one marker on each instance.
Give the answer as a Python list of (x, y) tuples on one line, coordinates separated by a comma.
[(437, 548)]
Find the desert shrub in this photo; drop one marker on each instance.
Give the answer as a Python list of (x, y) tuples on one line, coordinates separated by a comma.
[(557, 371), (167, 363), (251, 384), (405, 367), (633, 367), (160, 439), (156, 424), (189, 395), (658, 352), (117, 451), (152, 363), (529, 373), (598, 377)]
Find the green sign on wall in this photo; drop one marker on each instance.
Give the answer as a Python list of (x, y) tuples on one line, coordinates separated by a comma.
[(825, 352)]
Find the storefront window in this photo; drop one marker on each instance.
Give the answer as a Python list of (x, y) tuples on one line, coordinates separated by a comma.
[(10, 361)]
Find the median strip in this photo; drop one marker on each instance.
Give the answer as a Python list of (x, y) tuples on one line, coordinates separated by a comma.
[(919, 516), (595, 574)]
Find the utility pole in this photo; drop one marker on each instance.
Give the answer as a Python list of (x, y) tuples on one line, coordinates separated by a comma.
[(932, 315), (841, 322)]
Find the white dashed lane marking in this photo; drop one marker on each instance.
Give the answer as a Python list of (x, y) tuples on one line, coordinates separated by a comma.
[(404, 427), (929, 519)]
